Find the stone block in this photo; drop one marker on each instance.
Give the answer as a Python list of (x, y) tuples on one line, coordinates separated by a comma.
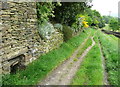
[(16, 53), (6, 66)]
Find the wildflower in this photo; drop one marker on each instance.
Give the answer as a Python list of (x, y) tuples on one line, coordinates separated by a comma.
[(85, 24), (82, 16)]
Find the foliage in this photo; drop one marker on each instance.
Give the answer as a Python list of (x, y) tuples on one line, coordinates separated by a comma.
[(59, 27), (114, 24), (107, 27), (45, 10), (107, 19), (89, 20), (46, 29), (64, 14), (79, 23), (39, 68), (101, 23), (94, 18), (84, 22), (67, 12), (67, 32)]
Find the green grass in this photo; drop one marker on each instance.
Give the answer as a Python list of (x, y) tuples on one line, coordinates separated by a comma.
[(85, 46), (110, 49), (107, 27), (90, 72), (39, 69), (87, 43)]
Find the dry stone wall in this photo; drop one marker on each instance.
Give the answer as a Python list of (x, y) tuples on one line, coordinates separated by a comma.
[(20, 40)]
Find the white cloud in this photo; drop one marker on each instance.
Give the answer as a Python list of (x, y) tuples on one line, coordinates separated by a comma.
[(104, 6)]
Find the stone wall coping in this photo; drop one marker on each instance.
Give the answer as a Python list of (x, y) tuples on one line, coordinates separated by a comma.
[(16, 53)]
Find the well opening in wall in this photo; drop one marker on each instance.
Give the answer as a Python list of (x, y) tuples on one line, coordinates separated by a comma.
[(17, 64)]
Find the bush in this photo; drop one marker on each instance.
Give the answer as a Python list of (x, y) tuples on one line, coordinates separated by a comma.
[(66, 13), (101, 25), (59, 27), (45, 30), (77, 25), (114, 24), (67, 32), (46, 10)]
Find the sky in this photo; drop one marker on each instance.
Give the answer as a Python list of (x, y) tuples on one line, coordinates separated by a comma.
[(106, 7)]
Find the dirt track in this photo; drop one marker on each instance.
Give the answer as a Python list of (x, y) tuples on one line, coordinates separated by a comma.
[(64, 73)]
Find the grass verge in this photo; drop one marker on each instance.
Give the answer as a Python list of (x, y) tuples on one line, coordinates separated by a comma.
[(87, 43), (85, 46), (38, 69), (90, 71), (110, 50)]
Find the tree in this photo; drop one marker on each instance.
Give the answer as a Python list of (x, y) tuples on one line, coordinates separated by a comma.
[(45, 10), (67, 12), (94, 18), (107, 19), (114, 24)]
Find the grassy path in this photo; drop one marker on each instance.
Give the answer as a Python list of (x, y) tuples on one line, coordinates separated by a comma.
[(100, 66), (91, 71), (65, 72)]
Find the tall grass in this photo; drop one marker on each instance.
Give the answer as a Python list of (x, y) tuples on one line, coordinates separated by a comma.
[(110, 50)]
